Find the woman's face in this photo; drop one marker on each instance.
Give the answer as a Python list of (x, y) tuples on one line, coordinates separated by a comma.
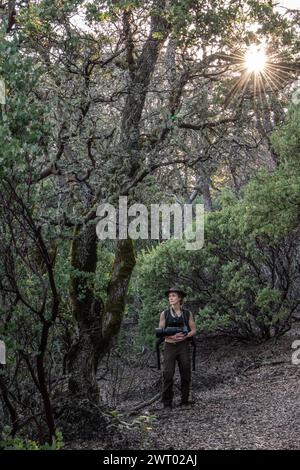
[(174, 298)]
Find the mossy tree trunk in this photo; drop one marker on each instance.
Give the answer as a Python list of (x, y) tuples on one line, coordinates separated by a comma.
[(87, 313), (97, 323)]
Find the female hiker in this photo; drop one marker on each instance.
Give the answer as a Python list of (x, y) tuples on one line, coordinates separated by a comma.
[(177, 347)]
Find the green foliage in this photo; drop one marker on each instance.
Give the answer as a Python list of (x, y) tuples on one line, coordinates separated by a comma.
[(286, 140), (236, 279), (270, 206), (17, 443), (142, 422), (22, 127)]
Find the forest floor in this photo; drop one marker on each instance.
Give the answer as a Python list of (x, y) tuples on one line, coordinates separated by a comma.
[(244, 397)]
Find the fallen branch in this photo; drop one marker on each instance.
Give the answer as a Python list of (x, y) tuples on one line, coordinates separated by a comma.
[(144, 404)]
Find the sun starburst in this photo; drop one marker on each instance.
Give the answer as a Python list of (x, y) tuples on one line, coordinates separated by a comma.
[(255, 58), (260, 72)]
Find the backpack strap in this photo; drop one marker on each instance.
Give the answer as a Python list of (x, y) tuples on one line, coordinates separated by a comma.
[(186, 312), (158, 343), (166, 312), (186, 315)]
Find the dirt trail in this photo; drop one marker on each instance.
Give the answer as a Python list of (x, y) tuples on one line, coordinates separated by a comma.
[(245, 397)]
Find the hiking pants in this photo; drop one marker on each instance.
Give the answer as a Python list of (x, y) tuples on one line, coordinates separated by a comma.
[(179, 352)]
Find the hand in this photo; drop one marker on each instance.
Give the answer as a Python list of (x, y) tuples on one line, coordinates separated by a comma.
[(178, 337)]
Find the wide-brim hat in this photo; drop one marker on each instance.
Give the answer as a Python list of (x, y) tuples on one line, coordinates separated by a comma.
[(177, 290)]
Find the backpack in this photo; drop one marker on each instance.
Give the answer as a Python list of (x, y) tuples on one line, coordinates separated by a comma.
[(171, 321)]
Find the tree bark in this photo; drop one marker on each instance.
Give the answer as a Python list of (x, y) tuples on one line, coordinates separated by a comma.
[(97, 323), (87, 313)]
